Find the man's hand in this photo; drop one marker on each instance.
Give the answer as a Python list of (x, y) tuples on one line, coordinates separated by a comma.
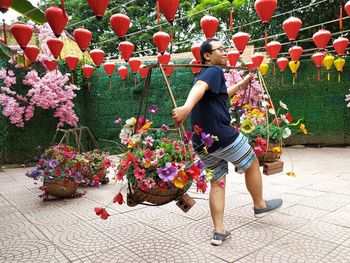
[(180, 114)]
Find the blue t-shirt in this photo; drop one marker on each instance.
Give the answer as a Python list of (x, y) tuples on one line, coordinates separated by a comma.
[(211, 112)]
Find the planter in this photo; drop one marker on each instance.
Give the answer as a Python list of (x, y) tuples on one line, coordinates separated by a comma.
[(60, 189), (269, 155)]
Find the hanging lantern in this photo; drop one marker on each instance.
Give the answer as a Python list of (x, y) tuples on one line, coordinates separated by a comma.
[(265, 10), (169, 9), (195, 70), (88, 70), (273, 48), (109, 68), (134, 64), (282, 64), (143, 70), (209, 25), (163, 59), (340, 45), (57, 19), (55, 46), (257, 59), (232, 57), (293, 66), (120, 24), (327, 63), (83, 37), (196, 51), (22, 33), (264, 67), (295, 53), (50, 64), (317, 58), (240, 39), (339, 64), (4, 5), (97, 56), (126, 49), (72, 62), (169, 70), (161, 41), (98, 7), (347, 8), (321, 38), (123, 72), (250, 65), (292, 26), (31, 52)]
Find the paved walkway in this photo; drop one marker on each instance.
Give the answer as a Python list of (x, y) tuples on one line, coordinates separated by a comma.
[(312, 226)]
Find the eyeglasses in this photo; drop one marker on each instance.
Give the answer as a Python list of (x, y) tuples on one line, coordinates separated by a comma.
[(221, 49)]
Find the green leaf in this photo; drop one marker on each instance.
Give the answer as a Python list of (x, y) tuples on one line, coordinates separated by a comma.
[(27, 9), (5, 51)]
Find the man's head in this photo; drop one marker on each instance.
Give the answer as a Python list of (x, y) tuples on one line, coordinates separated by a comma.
[(213, 52)]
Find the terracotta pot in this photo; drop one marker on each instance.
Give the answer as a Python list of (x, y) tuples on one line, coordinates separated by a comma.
[(60, 189)]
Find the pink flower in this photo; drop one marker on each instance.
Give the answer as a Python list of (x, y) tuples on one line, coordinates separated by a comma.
[(118, 121), (139, 173)]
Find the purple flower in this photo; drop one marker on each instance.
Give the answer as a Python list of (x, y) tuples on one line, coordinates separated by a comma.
[(241, 111), (206, 139), (167, 174), (153, 109), (200, 165), (187, 136), (53, 163), (35, 173), (165, 128)]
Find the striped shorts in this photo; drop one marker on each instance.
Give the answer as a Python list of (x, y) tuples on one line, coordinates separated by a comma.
[(239, 153)]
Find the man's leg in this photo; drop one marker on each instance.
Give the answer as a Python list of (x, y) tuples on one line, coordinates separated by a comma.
[(217, 204), (253, 181)]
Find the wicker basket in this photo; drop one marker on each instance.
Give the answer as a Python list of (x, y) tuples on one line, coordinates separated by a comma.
[(269, 155), (60, 189)]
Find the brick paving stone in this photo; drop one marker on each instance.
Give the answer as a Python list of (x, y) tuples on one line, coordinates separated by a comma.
[(322, 202), (339, 255), (285, 221), (305, 211), (338, 218), (307, 192)]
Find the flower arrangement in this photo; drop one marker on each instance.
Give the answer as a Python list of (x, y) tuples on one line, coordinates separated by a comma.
[(97, 164)]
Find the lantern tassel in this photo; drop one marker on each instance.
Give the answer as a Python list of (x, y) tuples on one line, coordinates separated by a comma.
[(98, 75), (171, 39), (274, 69), (63, 9), (329, 76), (135, 81), (338, 76), (294, 79), (296, 74), (158, 12), (89, 85), (282, 78), (231, 19), (341, 17), (318, 74), (72, 77), (110, 83), (4, 31), (265, 38)]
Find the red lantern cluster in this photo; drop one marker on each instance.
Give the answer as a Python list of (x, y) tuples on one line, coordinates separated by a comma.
[(22, 33), (257, 59), (240, 39), (169, 70), (120, 24), (57, 19), (97, 56), (134, 64), (50, 64), (126, 49), (209, 25), (98, 7), (88, 71), (295, 53), (4, 5), (72, 62), (123, 72), (109, 68), (317, 58), (143, 70), (292, 26), (273, 48), (55, 46), (282, 64), (83, 37), (340, 45)]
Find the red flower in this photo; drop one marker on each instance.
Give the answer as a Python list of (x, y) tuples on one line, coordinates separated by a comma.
[(57, 171), (193, 172), (118, 199), (197, 129), (201, 186), (96, 179), (79, 166), (289, 117), (162, 186), (120, 174), (65, 181), (107, 162), (101, 212), (41, 162)]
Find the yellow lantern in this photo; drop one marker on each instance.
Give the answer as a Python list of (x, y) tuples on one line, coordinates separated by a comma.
[(293, 66), (339, 64), (327, 63), (264, 68)]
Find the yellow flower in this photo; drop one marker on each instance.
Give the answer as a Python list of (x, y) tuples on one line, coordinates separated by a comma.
[(131, 144), (303, 129), (247, 126), (205, 150), (146, 127), (215, 138), (246, 106), (276, 149), (291, 174), (234, 99), (147, 164), (209, 175), (181, 179)]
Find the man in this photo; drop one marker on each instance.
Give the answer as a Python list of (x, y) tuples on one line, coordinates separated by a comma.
[(207, 103)]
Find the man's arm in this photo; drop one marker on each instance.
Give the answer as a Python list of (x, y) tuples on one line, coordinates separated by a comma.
[(180, 113), (240, 85)]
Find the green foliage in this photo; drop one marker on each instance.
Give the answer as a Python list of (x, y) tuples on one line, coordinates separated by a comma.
[(26, 8)]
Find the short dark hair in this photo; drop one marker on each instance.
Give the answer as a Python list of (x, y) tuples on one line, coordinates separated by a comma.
[(206, 47)]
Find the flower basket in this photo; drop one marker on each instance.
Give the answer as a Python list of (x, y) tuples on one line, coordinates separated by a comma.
[(271, 154), (60, 188)]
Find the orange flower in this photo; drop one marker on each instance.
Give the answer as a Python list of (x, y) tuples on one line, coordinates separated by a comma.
[(197, 129), (181, 179), (146, 127)]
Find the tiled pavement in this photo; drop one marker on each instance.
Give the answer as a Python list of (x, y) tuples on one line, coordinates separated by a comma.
[(312, 226)]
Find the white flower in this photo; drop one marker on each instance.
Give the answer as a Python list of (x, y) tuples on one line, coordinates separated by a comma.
[(136, 138), (284, 106), (283, 117), (272, 111), (286, 133), (131, 121)]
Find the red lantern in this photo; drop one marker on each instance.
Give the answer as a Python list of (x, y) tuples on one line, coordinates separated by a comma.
[(22, 33), (282, 64), (57, 19), (123, 72), (195, 70), (273, 48), (340, 44), (72, 62), (196, 51), (250, 65), (51, 64), (321, 38), (164, 59), (317, 58), (88, 71), (134, 64), (83, 37), (240, 39), (126, 49), (31, 52), (4, 5), (169, 9), (169, 70), (120, 24), (209, 25), (347, 8), (55, 46), (233, 57), (97, 56), (161, 40), (98, 7), (143, 70), (295, 53), (292, 26), (257, 59), (265, 9), (109, 69)]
